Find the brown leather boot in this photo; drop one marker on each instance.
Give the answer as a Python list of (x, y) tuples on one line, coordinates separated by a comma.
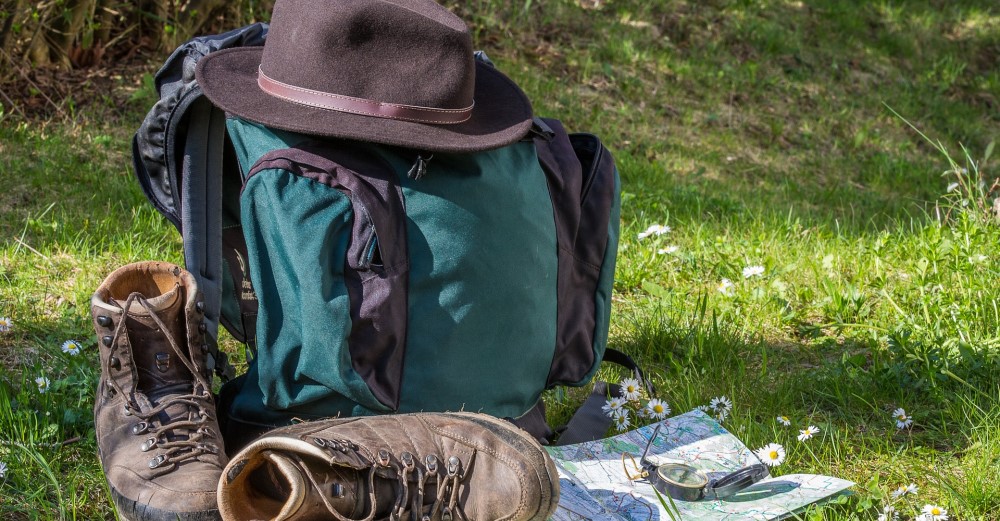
[(157, 433), (422, 466)]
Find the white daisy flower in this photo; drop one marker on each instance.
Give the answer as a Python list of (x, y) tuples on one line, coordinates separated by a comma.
[(702, 408), (654, 230), (904, 490), (622, 421), (6, 324), (783, 420), (3, 469), (630, 389), (668, 250), (935, 513), (642, 413), (614, 407), (658, 409), (771, 454), (753, 271), (725, 287), (721, 404), (808, 433), (888, 514), (71, 347), (43, 384), (721, 415), (902, 420)]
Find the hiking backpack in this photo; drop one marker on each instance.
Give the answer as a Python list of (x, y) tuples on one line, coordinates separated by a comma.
[(369, 279)]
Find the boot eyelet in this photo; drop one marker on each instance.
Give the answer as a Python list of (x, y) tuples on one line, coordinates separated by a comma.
[(383, 457), (127, 410), (148, 445), (140, 428), (431, 463), (202, 327), (446, 514), (107, 340), (115, 363), (200, 306), (104, 321), (320, 442), (407, 459), (158, 461), (453, 464)]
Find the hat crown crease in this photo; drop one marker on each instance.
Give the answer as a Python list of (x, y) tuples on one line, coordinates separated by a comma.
[(400, 53)]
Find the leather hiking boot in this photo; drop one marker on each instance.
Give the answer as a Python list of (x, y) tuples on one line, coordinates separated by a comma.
[(157, 432), (421, 466)]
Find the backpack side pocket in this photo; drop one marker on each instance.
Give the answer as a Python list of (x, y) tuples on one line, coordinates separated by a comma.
[(328, 256), (583, 186)]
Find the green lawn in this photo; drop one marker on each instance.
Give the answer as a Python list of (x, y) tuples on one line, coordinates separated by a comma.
[(763, 132)]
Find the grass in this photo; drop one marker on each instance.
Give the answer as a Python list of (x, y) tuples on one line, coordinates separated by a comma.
[(763, 132)]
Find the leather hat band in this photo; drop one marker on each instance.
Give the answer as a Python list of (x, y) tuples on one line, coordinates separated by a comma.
[(365, 107)]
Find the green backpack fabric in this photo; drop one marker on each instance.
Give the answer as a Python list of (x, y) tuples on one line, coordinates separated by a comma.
[(367, 279), (391, 282)]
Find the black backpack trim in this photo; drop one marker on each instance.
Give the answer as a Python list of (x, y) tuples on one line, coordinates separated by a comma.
[(178, 153)]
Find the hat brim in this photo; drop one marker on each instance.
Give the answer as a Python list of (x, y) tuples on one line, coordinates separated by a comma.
[(501, 115)]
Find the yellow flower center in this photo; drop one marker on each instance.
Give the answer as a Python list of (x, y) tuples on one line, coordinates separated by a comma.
[(657, 408), (773, 454), (936, 511)]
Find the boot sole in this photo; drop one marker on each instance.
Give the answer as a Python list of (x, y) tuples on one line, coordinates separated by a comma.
[(134, 511)]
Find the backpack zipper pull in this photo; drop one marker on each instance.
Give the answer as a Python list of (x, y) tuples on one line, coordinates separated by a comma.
[(419, 169)]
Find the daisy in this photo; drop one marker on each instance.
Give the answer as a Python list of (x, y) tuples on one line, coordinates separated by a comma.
[(725, 287), (614, 407), (43, 384), (753, 271), (808, 433), (784, 421), (771, 454), (888, 514), (630, 389), (721, 415), (904, 490), (902, 420), (71, 347), (721, 404), (655, 229), (702, 408), (935, 513), (658, 409), (622, 421), (6, 324), (642, 413), (3, 469), (667, 250)]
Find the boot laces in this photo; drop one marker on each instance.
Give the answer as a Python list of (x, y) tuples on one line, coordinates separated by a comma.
[(199, 403), (412, 487)]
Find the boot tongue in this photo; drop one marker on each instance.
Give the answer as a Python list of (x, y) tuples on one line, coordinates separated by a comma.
[(156, 362), (310, 488)]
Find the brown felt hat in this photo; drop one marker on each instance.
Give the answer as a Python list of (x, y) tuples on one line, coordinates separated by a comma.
[(397, 72)]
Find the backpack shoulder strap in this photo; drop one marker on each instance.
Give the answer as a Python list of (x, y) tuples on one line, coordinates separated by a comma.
[(177, 154)]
